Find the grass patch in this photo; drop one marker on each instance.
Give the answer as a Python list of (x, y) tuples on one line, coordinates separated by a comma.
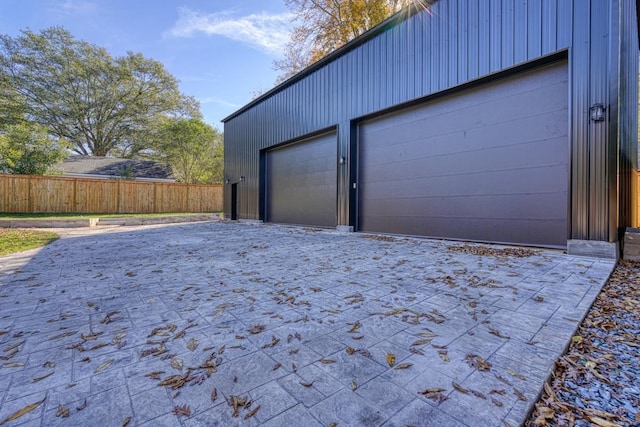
[(17, 240), (90, 215)]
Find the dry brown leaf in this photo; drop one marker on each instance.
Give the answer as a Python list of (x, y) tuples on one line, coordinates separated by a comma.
[(354, 385), (252, 413), (459, 388), (478, 362), (355, 327), (82, 405), (391, 359), (422, 342), (22, 412), (35, 380), (498, 333), (256, 329), (520, 395), (13, 365), (432, 390), (214, 395), (104, 366), (193, 344), (177, 363), (497, 402), (404, 366), (602, 422), (184, 410), (276, 366), (350, 351), (517, 375), (126, 422), (327, 361), (307, 384), (62, 411)]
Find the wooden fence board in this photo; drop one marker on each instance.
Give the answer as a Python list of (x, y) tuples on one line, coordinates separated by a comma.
[(48, 194)]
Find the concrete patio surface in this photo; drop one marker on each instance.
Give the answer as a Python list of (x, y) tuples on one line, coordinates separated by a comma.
[(189, 325)]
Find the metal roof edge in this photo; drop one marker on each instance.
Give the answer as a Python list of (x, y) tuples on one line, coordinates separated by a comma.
[(395, 19)]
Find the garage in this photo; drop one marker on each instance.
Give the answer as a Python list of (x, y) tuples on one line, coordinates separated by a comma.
[(487, 163), (301, 185)]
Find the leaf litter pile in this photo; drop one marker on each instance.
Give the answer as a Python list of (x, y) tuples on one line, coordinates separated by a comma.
[(597, 382)]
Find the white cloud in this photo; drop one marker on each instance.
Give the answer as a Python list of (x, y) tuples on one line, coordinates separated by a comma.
[(77, 7), (214, 100), (262, 31)]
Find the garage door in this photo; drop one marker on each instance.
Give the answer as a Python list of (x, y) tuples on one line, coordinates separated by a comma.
[(487, 164), (301, 182)]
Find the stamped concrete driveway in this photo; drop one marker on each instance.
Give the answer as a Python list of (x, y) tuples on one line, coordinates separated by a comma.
[(240, 324)]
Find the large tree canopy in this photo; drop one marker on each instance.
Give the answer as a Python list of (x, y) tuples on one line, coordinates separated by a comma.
[(325, 25), (99, 103), (28, 149), (193, 148)]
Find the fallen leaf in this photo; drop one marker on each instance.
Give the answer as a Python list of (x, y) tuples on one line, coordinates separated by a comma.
[(276, 366), (82, 406), (497, 402), (478, 362), (459, 388), (49, 365), (177, 363), (350, 351), (355, 327), (443, 355), (104, 366), (193, 344), (517, 375), (13, 365), (35, 380), (306, 384), (404, 366), (126, 422), (22, 412), (256, 329), (252, 413), (498, 334), (520, 395), (354, 385), (422, 341), (62, 411), (602, 422), (391, 359), (184, 410), (538, 298), (432, 390), (327, 361)]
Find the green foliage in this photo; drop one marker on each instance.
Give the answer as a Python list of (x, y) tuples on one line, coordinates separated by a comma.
[(99, 103), (193, 148), (27, 149)]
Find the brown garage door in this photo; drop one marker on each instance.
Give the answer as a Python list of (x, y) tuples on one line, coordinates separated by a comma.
[(302, 182), (487, 164)]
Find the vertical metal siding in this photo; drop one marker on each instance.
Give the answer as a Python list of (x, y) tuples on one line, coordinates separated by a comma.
[(454, 42), (627, 111)]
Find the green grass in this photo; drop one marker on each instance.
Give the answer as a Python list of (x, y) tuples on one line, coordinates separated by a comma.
[(88, 215), (16, 240)]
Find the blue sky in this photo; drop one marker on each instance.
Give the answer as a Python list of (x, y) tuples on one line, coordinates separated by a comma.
[(222, 51)]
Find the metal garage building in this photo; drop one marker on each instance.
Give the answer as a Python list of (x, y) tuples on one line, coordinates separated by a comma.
[(511, 121)]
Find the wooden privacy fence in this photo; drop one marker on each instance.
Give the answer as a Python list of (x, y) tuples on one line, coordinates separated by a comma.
[(48, 194)]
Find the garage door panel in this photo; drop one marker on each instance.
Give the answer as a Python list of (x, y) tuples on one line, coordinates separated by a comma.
[(301, 182), (530, 206), (442, 121), (465, 138), (483, 164), (530, 181), (531, 155)]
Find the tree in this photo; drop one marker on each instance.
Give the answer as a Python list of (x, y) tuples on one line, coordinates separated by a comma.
[(193, 148), (325, 25), (27, 149), (82, 94)]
